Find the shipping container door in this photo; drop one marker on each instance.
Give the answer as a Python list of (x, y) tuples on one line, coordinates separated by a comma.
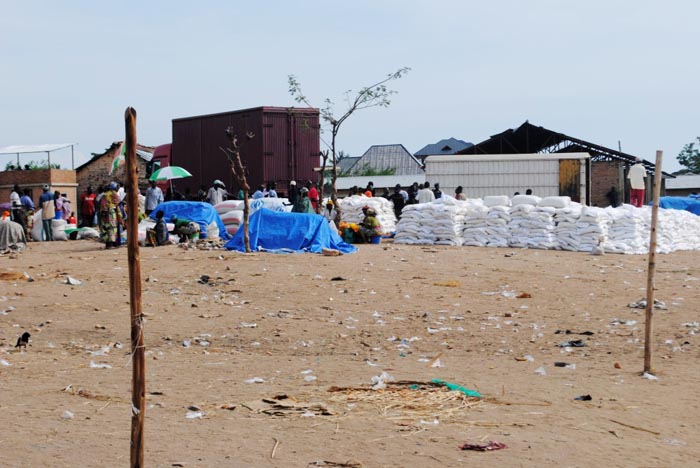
[(570, 178)]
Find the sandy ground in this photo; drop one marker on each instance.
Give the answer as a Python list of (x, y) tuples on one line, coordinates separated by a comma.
[(279, 316)]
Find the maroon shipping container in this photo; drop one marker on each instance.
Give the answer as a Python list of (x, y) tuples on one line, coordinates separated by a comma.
[(285, 147)]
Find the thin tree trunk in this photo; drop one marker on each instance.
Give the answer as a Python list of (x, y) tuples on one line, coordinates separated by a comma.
[(138, 390), (651, 269), (334, 177)]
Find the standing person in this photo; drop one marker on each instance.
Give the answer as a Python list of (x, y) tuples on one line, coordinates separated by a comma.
[(370, 189), (202, 194), (636, 176), (272, 191), (87, 208), (613, 197), (413, 194), (27, 211), (48, 211), (425, 195), (66, 210), (329, 212), (398, 200), (154, 197), (303, 204), (58, 205), (293, 195), (17, 211), (459, 193), (385, 193), (313, 195), (436, 191), (217, 193), (110, 216)]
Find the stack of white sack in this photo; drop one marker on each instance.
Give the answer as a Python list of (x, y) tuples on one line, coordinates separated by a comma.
[(629, 231), (412, 227), (566, 231), (351, 211), (592, 229), (531, 225), (497, 219), (474, 233), (678, 230), (448, 220)]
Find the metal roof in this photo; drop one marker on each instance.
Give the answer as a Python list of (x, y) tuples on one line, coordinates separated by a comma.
[(446, 146), (529, 138), (684, 182), (21, 149), (382, 157)]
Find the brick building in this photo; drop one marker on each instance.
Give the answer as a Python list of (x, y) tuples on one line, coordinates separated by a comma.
[(63, 180), (95, 172), (608, 167)]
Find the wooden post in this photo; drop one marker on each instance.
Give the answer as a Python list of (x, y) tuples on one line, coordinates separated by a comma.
[(233, 155), (138, 389), (652, 264)]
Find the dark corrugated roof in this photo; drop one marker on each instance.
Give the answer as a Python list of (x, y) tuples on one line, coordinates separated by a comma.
[(529, 138), (446, 146), (143, 152)]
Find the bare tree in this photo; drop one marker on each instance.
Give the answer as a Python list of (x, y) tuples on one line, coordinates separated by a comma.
[(375, 95), (233, 155)]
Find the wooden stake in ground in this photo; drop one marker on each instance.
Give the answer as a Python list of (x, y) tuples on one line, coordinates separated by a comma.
[(233, 155), (652, 264), (138, 390)]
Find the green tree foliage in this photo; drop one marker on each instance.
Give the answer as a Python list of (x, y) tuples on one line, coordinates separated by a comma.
[(690, 156), (32, 165)]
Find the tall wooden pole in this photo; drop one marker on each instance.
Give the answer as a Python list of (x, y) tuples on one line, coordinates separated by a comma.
[(138, 389), (652, 263)]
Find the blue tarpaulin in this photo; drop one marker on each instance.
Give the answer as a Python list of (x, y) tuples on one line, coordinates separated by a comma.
[(199, 212), (289, 232), (681, 203)]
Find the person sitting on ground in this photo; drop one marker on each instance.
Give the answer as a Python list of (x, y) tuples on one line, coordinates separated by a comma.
[(186, 229), (159, 235), (370, 226)]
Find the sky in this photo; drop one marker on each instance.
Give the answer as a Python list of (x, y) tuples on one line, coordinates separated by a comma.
[(603, 71)]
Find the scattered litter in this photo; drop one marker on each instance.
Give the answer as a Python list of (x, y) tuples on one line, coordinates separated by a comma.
[(524, 296), (448, 284), (338, 278), (186, 343), (5, 363), (310, 378), (94, 365), (249, 325), (674, 442), (67, 415), (642, 304), (72, 281), (457, 388), (649, 376), (194, 415), (29, 277), (565, 364), (379, 381), (492, 445), (434, 422), (572, 344), (583, 398), (617, 321), (540, 371), (283, 405), (255, 380)]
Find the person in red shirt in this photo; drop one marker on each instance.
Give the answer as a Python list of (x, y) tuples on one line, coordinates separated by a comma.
[(87, 208), (313, 195), (71, 218)]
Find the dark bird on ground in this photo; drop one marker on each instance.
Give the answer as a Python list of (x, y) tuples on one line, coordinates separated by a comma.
[(23, 340)]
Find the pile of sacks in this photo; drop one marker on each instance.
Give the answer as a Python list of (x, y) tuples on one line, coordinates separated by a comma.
[(351, 211), (231, 211), (440, 222), (549, 223), (58, 228), (532, 222)]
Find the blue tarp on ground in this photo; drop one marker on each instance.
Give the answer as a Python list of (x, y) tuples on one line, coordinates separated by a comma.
[(681, 203), (289, 232), (199, 212)]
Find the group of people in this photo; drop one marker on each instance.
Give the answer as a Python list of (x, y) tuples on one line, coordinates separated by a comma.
[(53, 205)]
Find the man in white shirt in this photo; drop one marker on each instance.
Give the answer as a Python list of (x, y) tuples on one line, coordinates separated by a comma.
[(425, 195), (636, 176), (217, 193), (154, 197)]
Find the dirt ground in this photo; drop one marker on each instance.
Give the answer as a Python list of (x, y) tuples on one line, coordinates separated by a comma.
[(282, 319)]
